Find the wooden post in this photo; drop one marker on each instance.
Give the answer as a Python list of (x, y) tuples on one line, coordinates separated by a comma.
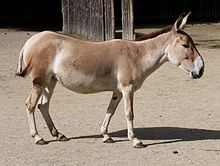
[(96, 20), (85, 18), (71, 17), (109, 19), (127, 20), (65, 11)]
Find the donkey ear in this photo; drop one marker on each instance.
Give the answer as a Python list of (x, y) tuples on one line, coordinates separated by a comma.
[(181, 21)]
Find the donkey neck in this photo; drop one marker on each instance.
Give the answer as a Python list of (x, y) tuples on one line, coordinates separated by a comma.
[(154, 52)]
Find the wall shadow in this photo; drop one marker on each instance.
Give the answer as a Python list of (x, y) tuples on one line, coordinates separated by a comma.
[(211, 44)]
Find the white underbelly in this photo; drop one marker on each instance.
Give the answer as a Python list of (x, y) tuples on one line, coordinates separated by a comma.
[(77, 81), (82, 83)]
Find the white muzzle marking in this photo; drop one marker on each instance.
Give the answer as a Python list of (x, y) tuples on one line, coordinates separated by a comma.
[(198, 70)]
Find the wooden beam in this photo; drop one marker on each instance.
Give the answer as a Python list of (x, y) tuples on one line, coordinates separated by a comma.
[(84, 19), (109, 17), (96, 20), (127, 20), (65, 11)]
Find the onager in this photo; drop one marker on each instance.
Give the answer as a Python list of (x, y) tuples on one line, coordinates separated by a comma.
[(87, 67)]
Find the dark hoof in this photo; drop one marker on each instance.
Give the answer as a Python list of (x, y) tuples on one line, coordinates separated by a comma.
[(41, 142), (139, 145), (109, 140), (63, 138)]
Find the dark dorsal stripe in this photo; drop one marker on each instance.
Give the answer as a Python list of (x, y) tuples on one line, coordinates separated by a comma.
[(155, 33)]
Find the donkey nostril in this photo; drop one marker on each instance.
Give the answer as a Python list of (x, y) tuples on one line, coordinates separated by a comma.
[(194, 75), (201, 71)]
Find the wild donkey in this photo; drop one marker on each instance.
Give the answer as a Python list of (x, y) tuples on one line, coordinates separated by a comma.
[(89, 67)]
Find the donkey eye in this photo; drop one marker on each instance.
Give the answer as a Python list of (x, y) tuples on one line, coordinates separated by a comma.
[(185, 45)]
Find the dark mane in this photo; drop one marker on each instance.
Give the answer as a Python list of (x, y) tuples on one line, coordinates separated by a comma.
[(155, 34)]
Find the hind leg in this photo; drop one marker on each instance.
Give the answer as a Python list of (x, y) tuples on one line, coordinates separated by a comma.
[(31, 103), (44, 108)]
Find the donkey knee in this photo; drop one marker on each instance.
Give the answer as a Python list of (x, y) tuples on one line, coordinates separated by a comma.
[(30, 106), (33, 98)]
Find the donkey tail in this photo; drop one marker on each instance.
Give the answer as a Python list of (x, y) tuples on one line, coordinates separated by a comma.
[(20, 71)]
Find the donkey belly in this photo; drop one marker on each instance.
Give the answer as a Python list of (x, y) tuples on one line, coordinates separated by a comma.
[(83, 83)]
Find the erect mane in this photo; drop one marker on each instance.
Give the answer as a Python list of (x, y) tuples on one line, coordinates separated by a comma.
[(155, 33)]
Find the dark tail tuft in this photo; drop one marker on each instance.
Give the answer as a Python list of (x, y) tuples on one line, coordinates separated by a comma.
[(24, 72)]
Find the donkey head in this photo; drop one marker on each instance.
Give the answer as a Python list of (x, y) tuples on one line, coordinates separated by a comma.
[(182, 50)]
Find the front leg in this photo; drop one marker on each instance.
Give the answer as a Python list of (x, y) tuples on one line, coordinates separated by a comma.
[(128, 96), (116, 98)]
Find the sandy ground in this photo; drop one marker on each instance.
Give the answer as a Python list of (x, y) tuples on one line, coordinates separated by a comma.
[(178, 119)]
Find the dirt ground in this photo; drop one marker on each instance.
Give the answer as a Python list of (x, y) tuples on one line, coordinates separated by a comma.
[(178, 119)]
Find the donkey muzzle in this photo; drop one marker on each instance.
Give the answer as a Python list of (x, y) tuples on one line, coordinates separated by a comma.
[(198, 70)]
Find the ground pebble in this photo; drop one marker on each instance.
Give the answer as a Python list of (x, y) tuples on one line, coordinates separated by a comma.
[(175, 152)]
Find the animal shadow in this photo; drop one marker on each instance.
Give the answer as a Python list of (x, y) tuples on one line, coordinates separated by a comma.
[(168, 134), (171, 134)]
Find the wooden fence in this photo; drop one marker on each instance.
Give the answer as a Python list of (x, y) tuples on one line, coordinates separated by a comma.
[(98, 19), (84, 18), (95, 19)]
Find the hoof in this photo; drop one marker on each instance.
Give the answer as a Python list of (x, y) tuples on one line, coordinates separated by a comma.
[(41, 142), (109, 140), (62, 138), (139, 145)]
